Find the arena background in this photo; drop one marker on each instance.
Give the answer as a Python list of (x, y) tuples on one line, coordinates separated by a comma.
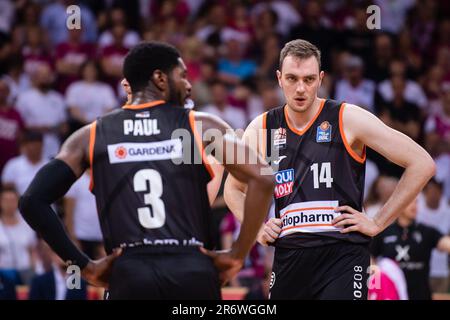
[(391, 57)]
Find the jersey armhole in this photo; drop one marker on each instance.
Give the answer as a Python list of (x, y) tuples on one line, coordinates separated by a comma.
[(92, 132), (199, 143), (353, 154), (264, 136)]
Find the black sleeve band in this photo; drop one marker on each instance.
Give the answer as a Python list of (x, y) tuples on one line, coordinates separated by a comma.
[(50, 183)]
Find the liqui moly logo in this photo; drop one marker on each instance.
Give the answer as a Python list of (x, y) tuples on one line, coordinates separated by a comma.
[(284, 182)]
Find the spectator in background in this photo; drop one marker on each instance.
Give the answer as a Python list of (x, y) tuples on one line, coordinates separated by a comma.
[(387, 282), (200, 88), (400, 114), (437, 125), (18, 81), (19, 171), (413, 92), (81, 218), (112, 56), (54, 20), (354, 88), (268, 65), (220, 107), (394, 14), (410, 244), (52, 285), (434, 211), (356, 37), (44, 110), (17, 240), (34, 52), (11, 126), (89, 98), (378, 194), (70, 56), (130, 38), (378, 66), (234, 68)]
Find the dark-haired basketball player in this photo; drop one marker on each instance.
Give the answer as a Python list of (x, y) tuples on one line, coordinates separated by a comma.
[(151, 206)]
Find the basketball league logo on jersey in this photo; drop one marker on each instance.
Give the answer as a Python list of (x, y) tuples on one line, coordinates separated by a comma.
[(284, 182), (324, 132), (279, 140)]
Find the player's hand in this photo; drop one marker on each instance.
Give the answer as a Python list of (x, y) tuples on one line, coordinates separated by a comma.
[(97, 272), (226, 262), (269, 231), (352, 220)]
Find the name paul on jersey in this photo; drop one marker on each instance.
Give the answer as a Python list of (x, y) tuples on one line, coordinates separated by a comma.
[(140, 127)]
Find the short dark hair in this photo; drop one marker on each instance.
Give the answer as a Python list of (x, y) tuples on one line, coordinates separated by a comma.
[(436, 182), (144, 59), (31, 136), (301, 49)]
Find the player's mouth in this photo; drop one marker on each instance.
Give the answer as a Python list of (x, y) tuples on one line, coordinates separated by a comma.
[(300, 100)]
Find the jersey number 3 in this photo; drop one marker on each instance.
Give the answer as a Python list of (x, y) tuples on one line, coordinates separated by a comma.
[(154, 216), (324, 176)]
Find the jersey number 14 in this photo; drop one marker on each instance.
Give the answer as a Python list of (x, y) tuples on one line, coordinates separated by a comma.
[(322, 176)]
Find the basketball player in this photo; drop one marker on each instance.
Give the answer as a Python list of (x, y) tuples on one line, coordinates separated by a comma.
[(155, 210), (318, 150)]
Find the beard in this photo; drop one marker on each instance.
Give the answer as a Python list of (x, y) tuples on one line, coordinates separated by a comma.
[(175, 95)]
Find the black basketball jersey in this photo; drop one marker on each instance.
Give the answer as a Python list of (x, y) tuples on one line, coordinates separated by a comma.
[(144, 196), (411, 248), (315, 171)]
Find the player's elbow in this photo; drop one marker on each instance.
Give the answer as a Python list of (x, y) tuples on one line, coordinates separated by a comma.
[(26, 204), (429, 167)]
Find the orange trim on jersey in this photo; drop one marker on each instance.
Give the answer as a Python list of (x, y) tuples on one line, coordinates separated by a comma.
[(308, 225), (143, 105), (306, 209), (91, 153), (199, 143), (301, 132), (352, 152), (264, 137)]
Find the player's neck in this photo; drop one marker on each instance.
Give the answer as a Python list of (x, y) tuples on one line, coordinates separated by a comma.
[(146, 96), (404, 221), (302, 119)]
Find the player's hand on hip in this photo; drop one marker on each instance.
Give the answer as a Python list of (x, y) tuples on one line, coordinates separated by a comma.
[(269, 231), (352, 220), (225, 261), (97, 272)]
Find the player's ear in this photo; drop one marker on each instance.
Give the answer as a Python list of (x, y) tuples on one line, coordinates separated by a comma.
[(279, 77), (321, 75), (160, 80)]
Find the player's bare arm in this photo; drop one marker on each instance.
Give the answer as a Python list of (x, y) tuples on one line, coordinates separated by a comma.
[(363, 128), (50, 184), (258, 192), (444, 244), (235, 190)]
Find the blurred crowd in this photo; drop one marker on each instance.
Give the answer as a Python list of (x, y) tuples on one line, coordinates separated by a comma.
[(54, 80)]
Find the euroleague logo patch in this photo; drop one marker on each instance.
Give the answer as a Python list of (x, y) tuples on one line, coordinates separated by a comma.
[(324, 132), (121, 152), (285, 183)]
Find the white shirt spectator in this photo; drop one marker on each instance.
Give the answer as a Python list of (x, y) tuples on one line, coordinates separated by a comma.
[(43, 109), (439, 219), (16, 88), (413, 92), (443, 173), (235, 117), (60, 284), (16, 242), (86, 223), (92, 99), (362, 95), (130, 39), (7, 13), (288, 17), (19, 171), (393, 13)]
